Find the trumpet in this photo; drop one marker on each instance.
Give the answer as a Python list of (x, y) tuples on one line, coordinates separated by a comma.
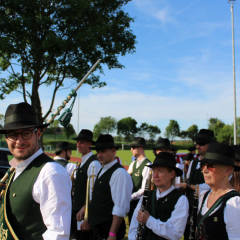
[(88, 192), (4, 181), (151, 185)]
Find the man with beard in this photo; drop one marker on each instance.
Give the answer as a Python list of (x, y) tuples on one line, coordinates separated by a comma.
[(37, 200), (63, 153)]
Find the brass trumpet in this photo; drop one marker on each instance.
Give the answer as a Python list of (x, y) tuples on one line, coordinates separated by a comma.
[(3, 182), (151, 185), (91, 177)]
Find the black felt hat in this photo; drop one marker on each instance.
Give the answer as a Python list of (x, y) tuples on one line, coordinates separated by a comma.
[(162, 143), (205, 136), (138, 142), (104, 141), (220, 153), (165, 159), (20, 116), (62, 146), (236, 149), (86, 135)]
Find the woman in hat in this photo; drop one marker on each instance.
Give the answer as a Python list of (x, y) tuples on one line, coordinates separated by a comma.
[(219, 208), (167, 207)]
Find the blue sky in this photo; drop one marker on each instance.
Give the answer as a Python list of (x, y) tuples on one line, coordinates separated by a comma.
[(181, 70)]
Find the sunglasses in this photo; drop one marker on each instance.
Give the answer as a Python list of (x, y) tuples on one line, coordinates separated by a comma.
[(134, 147), (209, 166)]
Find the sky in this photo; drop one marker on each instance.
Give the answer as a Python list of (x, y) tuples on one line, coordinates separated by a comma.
[(182, 69)]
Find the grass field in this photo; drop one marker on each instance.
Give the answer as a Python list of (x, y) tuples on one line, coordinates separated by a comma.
[(126, 155)]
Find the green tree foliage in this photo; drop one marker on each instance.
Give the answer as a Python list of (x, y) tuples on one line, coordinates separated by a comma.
[(105, 125), (1, 120), (127, 127), (54, 128), (69, 131), (215, 125), (172, 130), (143, 129), (225, 135), (192, 132), (153, 131), (183, 134), (54, 43)]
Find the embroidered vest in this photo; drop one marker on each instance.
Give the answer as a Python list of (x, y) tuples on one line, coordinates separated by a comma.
[(137, 174), (81, 184), (214, 227), (23, 212)]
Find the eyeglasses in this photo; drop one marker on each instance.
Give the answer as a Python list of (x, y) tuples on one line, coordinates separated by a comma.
[(209, 166), (26, 135)]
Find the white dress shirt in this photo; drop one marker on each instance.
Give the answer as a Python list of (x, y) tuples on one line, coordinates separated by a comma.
[(145, 175), (52, 190), (69, 167), (202, 186), (93, 169), (173, 228), (231, 214), (121, 189)]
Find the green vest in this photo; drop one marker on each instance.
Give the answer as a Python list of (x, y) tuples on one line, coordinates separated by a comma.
[(161, 209), (81, 184), (100, 209), (137, 174), (23, 212), (62, 162)]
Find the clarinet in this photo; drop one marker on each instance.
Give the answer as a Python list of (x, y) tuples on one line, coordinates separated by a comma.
[(141, 226), (193, 217)]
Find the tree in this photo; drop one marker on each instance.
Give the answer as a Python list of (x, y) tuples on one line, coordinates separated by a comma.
[(54, 128), (69, 130), (105, 125), (225, 135), (153, 131), (143, 129), (172, 130), (183, 134), (192, 132), (215, 125), (50, 42), (1, 120), (127, 127)]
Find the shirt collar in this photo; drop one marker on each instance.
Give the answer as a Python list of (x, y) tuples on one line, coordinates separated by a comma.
[(105, 167), (22, 165), (165, 193), (86, 157), (59, 158)]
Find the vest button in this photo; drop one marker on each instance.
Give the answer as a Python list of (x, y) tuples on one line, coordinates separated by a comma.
[(14, 195)]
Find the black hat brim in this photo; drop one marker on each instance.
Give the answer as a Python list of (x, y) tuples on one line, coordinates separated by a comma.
[(85, 139), (103, 147), (22, 126), (178, 171), (212, 161)]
